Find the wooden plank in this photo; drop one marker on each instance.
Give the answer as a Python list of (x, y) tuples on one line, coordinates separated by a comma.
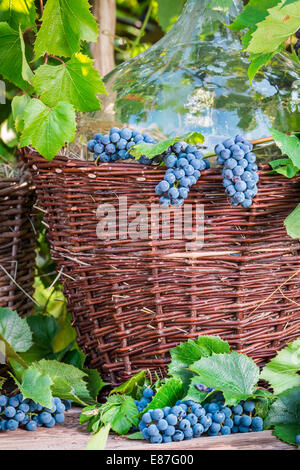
[(72, 436)]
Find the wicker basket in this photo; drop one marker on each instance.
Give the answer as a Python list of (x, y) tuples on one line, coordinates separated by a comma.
[(17, 242), (133, 300)]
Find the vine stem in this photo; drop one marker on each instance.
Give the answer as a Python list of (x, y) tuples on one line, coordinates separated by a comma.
[(42, 7)]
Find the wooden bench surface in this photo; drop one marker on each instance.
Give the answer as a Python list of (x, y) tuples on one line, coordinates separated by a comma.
[(72, 436)]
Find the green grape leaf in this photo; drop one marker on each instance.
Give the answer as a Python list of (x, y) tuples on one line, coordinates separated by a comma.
[(284, 166), (44, 328), (191, 351), (167, 395), (282, 372), (36, 386), (27, 73), (11, 58), (99, 440), (292, 223), (65, 376), (289, 145), (18, 12), (284, 416), (76, 82), (194, 394), (168, 11), (254, 12), (258, 61), (288, 2), (151, 150), (132, 385), (65, 23), (120, 411), (276, 28), (14, 330), (136, 436), (48, 129), (94, 382), (18, 106), (235, 375)]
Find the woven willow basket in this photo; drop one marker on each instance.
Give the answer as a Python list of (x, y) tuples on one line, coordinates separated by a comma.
[(133, 300), (17, 242)]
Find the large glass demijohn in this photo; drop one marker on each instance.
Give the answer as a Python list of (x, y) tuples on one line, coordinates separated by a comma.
[(195, 79)]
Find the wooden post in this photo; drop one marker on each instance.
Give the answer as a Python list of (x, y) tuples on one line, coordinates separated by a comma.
[(103, 49)]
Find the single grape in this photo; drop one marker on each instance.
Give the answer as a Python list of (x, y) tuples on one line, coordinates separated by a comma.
[(45, 417), (225, 430), (178, 436), (162, 425), (237, 410), (170, 431), (12, 425), (31, 426), (10, 411), (152, 430), (245, 421), (157, 414), (172, 419)]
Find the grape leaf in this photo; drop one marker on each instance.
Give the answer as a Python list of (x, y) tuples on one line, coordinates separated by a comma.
[(65, 22), (15, 330), (167, 12), (76, 82), (48, 129), (254, 12), (94, 382), (284, 166), (136, 436), (289, 145), (292, 223), (18, 12), (121, 413), (191, 351), (235, 375), (282, 371), (18, 106), (27, 73), (99, 440), (131, 386), (44, 328), (11, 56), (276, 28), (284, 416), (36, 386), (288, 2), (151, 150), (258, 61), (167, 395)]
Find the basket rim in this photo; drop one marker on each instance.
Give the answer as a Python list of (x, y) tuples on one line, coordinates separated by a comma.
[(72, 164)]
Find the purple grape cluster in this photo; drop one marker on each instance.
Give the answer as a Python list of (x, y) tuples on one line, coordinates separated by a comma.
[(185, 163), (16, 412), (240, 175), (147, 397), (116, 145), (188, 419)]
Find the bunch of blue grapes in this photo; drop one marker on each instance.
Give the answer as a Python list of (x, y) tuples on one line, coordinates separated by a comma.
[(240, 175), (116, 145), (147, 397), (16, 412), (188, 419), (185, 163)]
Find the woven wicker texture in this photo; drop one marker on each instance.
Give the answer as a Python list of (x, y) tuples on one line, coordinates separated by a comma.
[(17, 243), (133, 300)]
